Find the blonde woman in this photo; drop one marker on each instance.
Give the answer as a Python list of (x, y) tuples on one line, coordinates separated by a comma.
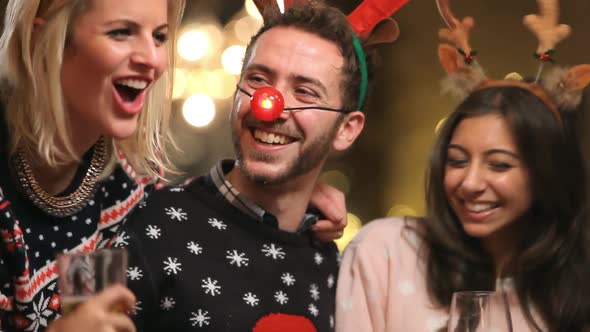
[(83, 125)]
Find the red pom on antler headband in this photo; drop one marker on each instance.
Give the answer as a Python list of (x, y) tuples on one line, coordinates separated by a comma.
[(560, 89)]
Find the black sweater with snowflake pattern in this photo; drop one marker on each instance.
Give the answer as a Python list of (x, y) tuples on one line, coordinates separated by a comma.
[(197, 263)]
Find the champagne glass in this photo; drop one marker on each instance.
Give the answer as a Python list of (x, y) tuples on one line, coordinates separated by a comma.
[(82, 275), (475, 311)]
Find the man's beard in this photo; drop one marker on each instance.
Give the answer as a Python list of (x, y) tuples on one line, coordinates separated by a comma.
[(311, 156)]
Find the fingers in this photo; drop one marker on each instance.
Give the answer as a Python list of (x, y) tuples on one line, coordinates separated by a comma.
[(330, 201), (332, 204), (114, 297), (329, 226), (326, 230), (120, 322), (83, 321), (101, 313)]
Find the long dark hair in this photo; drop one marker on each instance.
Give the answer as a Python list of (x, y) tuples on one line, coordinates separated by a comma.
[(551, 265)]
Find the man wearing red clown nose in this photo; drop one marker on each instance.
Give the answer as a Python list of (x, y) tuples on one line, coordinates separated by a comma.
[(231, 251)]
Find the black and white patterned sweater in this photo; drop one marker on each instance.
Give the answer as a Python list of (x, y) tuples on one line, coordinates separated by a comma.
[(198, 263)]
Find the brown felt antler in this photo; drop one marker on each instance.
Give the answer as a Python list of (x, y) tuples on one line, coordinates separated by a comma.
[(262, 5), (272, 5), (458, 31), (464, 74), (546, 27), (564, 86), (560, 89)]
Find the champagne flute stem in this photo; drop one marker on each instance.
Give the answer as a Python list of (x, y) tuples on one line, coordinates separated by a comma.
[(507, 308)]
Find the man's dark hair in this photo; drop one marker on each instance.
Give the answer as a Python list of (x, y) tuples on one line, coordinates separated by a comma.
[(328, 23)]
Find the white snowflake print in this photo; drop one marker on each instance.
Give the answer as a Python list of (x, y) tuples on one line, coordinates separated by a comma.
[(281, 297), (153, 232), (251, 299), (237, 258), (177, 189), (273, 251), (174, 213), (194, 248), (121, 240), (200, 318), (40, 314), (134, 273), (171, 265), (167, 303), (141, 204), (318, 258), (314, 291), (330, 281), (288, 279), (313, 310), (137, 308), (214, 222), (211, 287)]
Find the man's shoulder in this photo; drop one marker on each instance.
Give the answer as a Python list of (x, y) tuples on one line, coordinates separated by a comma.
[(179, 192), (174, 201)]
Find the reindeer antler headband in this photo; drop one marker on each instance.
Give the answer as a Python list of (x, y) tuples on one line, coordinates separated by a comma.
[(560, 89), (370, 21)]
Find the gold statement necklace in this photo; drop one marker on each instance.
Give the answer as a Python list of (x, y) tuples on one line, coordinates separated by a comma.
[(61, 206)]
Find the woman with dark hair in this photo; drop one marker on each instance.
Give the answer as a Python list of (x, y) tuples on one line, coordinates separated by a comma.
[(504, 193)]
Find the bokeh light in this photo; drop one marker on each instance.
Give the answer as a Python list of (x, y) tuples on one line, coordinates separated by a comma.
[(514, 76), (337, 179), (354, 226), (198, 110), (232, 59), (216, 83), (252, 10), (180, 83), (220, 84), (246, 27), (199, 42), (193, 45), (400, 210), (439, 125)]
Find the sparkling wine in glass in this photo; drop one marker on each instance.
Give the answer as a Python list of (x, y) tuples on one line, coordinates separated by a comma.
[(82, 275)]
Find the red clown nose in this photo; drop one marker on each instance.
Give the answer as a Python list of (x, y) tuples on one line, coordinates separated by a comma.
[(267, 103)]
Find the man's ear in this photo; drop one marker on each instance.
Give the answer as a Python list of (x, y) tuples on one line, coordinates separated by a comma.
[(349, 129)]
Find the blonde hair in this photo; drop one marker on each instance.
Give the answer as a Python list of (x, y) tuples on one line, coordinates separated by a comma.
[(36, 115)]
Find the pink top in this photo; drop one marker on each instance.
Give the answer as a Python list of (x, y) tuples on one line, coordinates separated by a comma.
[(381, 285)]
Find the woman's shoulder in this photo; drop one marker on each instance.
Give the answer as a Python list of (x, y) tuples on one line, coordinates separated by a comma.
[(388, 232)]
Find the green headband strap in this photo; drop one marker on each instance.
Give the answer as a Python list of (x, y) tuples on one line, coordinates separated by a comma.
[(362, 58)]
